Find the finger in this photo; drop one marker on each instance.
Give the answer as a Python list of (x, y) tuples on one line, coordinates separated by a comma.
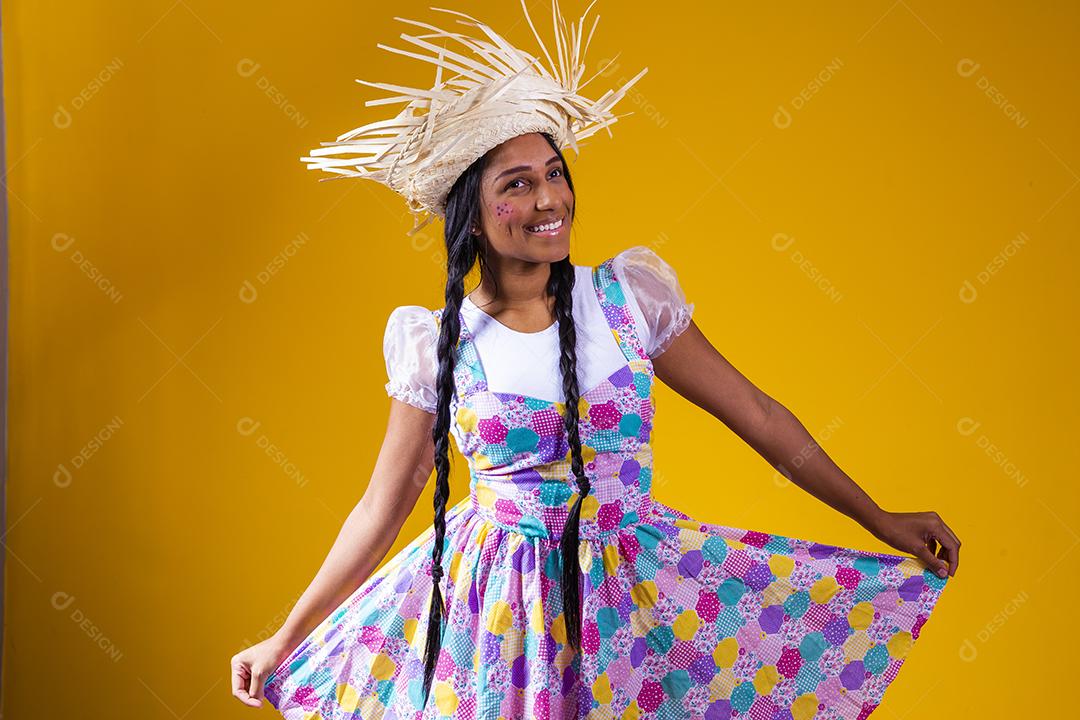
[(258, 694), (239, 682), (950, 533), (950, 551), (255, 688), (927, 556)]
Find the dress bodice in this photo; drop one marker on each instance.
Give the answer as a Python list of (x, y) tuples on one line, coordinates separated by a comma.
[(518, 448)]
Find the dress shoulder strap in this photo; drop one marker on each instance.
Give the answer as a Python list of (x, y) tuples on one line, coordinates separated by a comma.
[(613, 302), (469, 374)]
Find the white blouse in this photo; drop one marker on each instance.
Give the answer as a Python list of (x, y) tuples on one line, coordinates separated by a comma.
[(528, 363)]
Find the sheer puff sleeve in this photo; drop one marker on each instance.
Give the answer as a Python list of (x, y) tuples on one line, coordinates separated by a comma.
[(409, 348), (656, 297)]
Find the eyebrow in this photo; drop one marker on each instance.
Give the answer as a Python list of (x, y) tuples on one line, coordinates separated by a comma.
[(520, 168)]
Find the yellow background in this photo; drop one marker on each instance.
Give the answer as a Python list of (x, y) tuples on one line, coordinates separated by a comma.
[(831, 182)]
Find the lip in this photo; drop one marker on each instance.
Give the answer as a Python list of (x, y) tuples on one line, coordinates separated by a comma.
[(549, 233)]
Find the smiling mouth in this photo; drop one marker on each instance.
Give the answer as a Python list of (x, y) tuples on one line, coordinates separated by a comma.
[(549, 228)]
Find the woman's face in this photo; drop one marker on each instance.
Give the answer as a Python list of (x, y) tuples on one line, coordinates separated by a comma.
[(524, 186)]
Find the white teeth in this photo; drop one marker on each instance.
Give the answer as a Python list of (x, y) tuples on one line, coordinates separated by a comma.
[(544, 228)]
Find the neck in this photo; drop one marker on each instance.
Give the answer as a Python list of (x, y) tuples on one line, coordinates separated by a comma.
[(521, 284)]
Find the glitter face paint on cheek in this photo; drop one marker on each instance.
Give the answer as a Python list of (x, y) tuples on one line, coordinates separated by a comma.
[(504, 213)]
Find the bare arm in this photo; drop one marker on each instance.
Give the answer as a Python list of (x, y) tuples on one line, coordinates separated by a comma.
[(696, 370), (402, 469)]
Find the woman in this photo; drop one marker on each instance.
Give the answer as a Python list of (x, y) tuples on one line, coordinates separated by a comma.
[(570, 591)]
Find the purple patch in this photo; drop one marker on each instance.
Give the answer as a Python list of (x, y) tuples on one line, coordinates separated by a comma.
[(622, 377), (853, 674), (819, 551), (758, 576), (524, 562), (836, 631), (519, 672), (911, 588), (718, 710), (637, 651), (771, 618), (702, 670), (690, 564)]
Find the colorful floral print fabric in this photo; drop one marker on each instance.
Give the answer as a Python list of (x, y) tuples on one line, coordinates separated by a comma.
[(681, 618)]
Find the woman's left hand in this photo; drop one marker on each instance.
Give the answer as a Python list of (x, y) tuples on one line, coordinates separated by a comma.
[(923, 534)]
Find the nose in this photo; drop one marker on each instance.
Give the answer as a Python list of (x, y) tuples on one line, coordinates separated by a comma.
[(546, 197)]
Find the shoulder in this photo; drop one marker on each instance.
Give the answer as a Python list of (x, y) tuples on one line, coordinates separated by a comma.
[(411, 315), (414, 323), (643, 270)]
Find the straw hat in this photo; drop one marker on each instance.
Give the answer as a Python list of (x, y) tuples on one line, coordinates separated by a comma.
[(495, 92)]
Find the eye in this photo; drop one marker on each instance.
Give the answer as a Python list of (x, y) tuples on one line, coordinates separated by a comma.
[(510, 185)]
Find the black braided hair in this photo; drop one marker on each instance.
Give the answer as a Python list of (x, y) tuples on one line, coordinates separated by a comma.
[(561, 285), (462, 252)]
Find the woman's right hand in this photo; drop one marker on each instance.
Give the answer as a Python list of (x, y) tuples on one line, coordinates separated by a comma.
[(252, 666)]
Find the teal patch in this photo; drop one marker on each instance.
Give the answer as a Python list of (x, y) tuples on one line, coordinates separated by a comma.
[(812, 646), (714, 549), (731, 590), (796, 604), (876, 659), (660, 639), (676, 683), (608, 621), (742, 697), (630, 425), (522, 439)]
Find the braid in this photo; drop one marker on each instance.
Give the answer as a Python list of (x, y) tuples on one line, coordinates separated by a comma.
[(561, 285), (461, 256)]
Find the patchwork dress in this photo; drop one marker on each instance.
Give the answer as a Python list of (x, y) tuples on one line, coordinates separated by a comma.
[(681, 618)]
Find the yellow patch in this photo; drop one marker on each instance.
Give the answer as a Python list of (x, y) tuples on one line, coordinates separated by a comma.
[(899, 644), (501, 617), (383, 667), (823, 590), (455, 563), (860, 616), (445, 698), (585, 557), (765, 679), (558, 629), (538, 618), (601, 689), (644, 593), (856, 645), (347, 697), (485, 496), (686, 625), (611, 559), (725, 652), (781, 565), (466, 417), (804, 707)]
